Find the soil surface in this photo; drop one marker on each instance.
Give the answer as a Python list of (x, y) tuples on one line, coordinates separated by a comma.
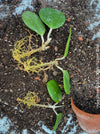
[(80, 63)]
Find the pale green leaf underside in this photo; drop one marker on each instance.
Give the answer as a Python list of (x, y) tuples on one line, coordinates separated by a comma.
[(58, 120), (53, 18), (33, 22), (54, 90), (66, 81)]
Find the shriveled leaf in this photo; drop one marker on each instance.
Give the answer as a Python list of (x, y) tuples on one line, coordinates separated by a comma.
[(53, 18), (33, 22), (58, 120), (67, 44), (54, 90), (66, 81)]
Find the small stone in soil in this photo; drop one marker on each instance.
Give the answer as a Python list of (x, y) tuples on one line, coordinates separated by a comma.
[(6, 90), (80, 39), (55, 73), (37, 78), (68, 20), (11, 90), (38, 100), (56, 48), (48, 99), (75, 79), (5, 38)]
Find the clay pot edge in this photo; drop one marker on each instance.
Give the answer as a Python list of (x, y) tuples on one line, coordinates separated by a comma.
[(82, 113)]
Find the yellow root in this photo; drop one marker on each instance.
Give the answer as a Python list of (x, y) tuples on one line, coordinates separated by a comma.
[(24, 48), (22, 53), (33, 65), (30, 99)]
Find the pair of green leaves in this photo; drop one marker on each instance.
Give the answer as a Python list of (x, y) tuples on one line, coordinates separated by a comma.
[(54, 89), (56, 94), (53, 18)]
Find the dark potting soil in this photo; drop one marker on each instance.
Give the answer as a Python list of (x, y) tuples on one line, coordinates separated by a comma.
[(80, 63)]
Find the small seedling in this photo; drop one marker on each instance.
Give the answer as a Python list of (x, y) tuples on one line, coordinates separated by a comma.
[(31, 100)]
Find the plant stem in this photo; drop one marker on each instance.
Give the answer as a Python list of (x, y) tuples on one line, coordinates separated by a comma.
[(43, 47), (46, 64), (55, 112), (42, 39), (60, 58), (49, 33), (59, 68), (47, 106), (46, 43)]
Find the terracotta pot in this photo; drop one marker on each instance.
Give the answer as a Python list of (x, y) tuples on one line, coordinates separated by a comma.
[(90, 123)]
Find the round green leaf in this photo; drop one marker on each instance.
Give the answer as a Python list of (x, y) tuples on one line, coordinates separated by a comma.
[(54, 90), (58, 120), (66, 81), (53, 18), (33, 22)]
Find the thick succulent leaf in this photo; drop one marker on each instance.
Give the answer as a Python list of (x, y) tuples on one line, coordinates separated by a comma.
[(66, 81), (53, 18), (54, 90), (58, 120), (67, 44), (33, 22)]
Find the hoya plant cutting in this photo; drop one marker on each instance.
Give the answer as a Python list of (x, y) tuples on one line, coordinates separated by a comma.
[(53, 18), (24, 49)]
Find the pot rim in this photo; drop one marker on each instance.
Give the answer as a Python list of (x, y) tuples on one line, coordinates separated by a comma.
[(82, 113)]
